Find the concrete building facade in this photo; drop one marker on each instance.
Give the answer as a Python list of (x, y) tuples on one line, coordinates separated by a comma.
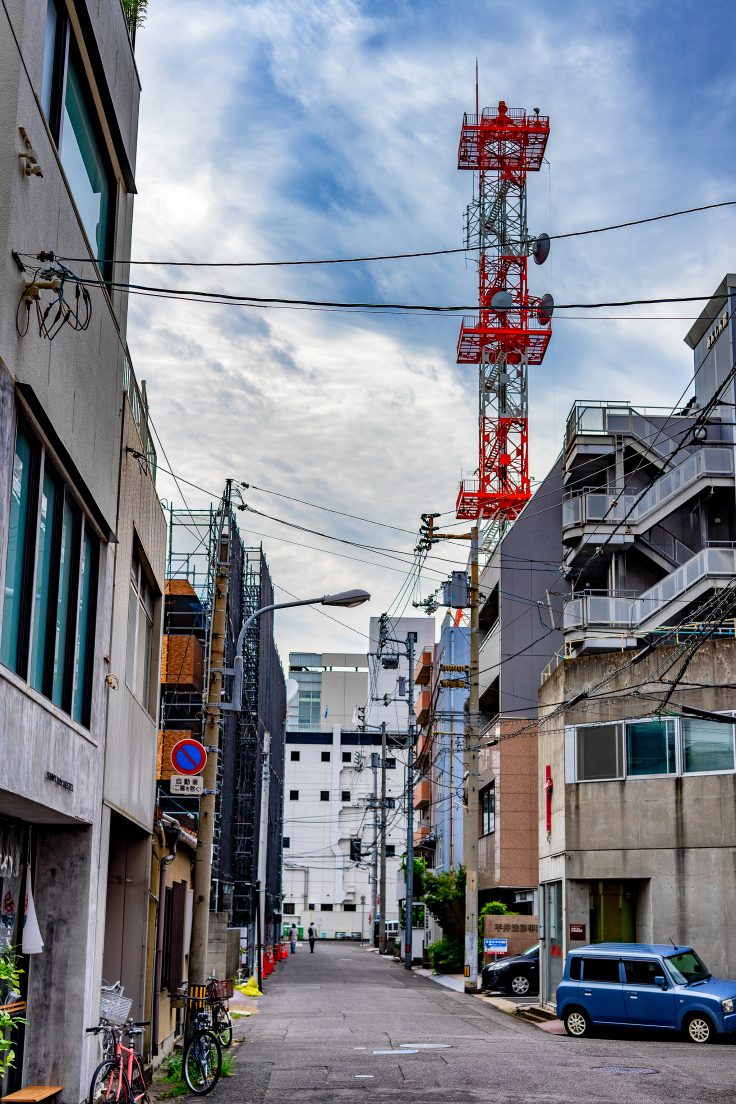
[(81, 536), (636, 767)]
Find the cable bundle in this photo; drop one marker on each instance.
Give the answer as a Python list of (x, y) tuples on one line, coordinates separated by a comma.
[(69, 303)]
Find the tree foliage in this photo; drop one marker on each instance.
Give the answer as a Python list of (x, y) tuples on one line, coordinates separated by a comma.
[(135, 14), (9, 993), (444, 896)]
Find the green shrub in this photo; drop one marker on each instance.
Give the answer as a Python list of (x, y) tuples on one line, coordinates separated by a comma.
[(447, 956)]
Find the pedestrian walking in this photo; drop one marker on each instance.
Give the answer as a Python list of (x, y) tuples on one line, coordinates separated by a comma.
[(312, 933), (293, 934)]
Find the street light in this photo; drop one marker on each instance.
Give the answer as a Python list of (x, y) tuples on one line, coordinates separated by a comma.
[(345, 598)]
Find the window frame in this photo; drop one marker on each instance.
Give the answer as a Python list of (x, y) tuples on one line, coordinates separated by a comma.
[(487, 817), (67, 504), (324, 795), (293, 795), (324, 757), (139, 583), (572, 765), (295, 756)]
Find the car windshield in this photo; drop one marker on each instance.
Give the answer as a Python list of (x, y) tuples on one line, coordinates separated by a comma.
[(687, 967)]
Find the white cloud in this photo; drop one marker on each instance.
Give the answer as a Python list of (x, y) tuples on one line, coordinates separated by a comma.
[(293, 130)]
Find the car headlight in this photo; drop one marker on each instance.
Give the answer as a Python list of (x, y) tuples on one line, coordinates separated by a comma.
[(727, 1005)]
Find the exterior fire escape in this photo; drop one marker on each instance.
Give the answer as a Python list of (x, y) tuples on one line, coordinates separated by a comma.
[(512, 328)]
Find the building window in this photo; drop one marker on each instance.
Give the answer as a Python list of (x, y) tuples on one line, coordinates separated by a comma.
[(390, 850), (650, 748), (50, 599), (349, 906), (296, 756), (311, 906), (599, 752), (706, 746), (647, 748), (326, 908), (390, 764), (488, 809), (324, 795), (325, 756), (356, 849), (347, 757), (289, 908), (140, 633), (390, 802), (73, 121), (346, 795), (287, 841), (293, 795)]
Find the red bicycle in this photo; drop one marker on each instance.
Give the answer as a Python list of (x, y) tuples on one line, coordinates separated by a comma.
[(120, 1079)]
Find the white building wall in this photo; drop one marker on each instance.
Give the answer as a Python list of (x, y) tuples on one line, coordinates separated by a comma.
[(317, 867)]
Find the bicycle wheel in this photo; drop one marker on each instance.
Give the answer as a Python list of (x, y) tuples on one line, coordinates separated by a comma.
[(202, 1063), (109, 1085), (222, 1025)]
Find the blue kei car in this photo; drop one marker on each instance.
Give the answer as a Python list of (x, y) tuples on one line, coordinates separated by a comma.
[(644, 985)]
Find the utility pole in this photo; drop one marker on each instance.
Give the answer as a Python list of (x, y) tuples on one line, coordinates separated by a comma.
[(202, 879), (409, 902), (470, 823), (374, 858), (382, 884), (263, 852)]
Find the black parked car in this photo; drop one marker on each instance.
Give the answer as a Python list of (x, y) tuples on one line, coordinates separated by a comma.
[(518, 974)]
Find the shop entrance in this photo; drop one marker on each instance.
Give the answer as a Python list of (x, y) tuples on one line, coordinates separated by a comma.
[(613, 909)]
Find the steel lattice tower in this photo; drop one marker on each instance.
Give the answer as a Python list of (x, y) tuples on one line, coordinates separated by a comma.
[(512, 329)]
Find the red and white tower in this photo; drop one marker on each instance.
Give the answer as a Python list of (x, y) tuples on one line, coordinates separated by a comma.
[(512, 329)]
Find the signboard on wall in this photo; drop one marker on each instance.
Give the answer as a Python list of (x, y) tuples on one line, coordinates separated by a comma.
[(520, 932), (577, 932)]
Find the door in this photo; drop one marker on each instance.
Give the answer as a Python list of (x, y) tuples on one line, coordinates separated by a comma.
[(601, 992), (645, 1003), (613, 911)]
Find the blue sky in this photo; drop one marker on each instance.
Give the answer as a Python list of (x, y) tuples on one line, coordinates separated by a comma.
[(295, 130)]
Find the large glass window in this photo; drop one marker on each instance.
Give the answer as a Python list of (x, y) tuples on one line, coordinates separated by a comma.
[(84, 161), (488, 809), (20, 552), (49, 604), (598, 752), (706, 746), (140, 633), (71, 115), (650, 747), (45, 587)]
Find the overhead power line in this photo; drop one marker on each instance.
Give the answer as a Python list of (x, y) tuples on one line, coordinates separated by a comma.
[(411, 255)]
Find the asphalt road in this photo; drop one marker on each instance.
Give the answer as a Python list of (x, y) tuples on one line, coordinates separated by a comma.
[(325, 1015)]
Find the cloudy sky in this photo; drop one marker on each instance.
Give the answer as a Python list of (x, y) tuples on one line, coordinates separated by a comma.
[(295, 130)]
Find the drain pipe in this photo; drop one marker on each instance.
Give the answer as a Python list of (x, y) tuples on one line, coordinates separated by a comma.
[(171, 839)]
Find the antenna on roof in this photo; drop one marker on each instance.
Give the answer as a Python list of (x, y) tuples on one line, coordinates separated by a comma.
[(672, 941)]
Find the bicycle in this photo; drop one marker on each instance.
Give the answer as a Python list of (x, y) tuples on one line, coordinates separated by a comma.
[(201, 1063), (121, 1078), (218, 994)]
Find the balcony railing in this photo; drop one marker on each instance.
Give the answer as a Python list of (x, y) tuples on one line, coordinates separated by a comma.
[(611, 508), (589, 417), (617, 610), (139, 407)]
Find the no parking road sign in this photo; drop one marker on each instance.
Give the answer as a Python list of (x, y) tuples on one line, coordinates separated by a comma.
[(188, 756)]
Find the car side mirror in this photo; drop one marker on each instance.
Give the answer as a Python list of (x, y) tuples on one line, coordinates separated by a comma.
[(661, 981)]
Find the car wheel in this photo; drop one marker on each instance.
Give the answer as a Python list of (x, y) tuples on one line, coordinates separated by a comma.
[(520, 985), (577, 1023), (699, 1029)]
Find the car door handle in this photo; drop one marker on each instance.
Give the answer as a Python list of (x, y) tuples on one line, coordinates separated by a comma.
[(588, 993), (632, 996)]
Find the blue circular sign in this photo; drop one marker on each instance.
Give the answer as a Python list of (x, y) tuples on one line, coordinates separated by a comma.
[(188, 757)]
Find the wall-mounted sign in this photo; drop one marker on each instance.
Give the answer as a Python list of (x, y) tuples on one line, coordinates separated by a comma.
[(188, 756), (51, 777), (577, 931), (718, 329), (186, 785)]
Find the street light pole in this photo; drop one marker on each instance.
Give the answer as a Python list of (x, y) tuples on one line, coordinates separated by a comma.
[(215, 708), (470, 823), (382, 884)]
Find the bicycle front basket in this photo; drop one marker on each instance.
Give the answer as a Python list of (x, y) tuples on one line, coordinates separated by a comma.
[(115, 1007)]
